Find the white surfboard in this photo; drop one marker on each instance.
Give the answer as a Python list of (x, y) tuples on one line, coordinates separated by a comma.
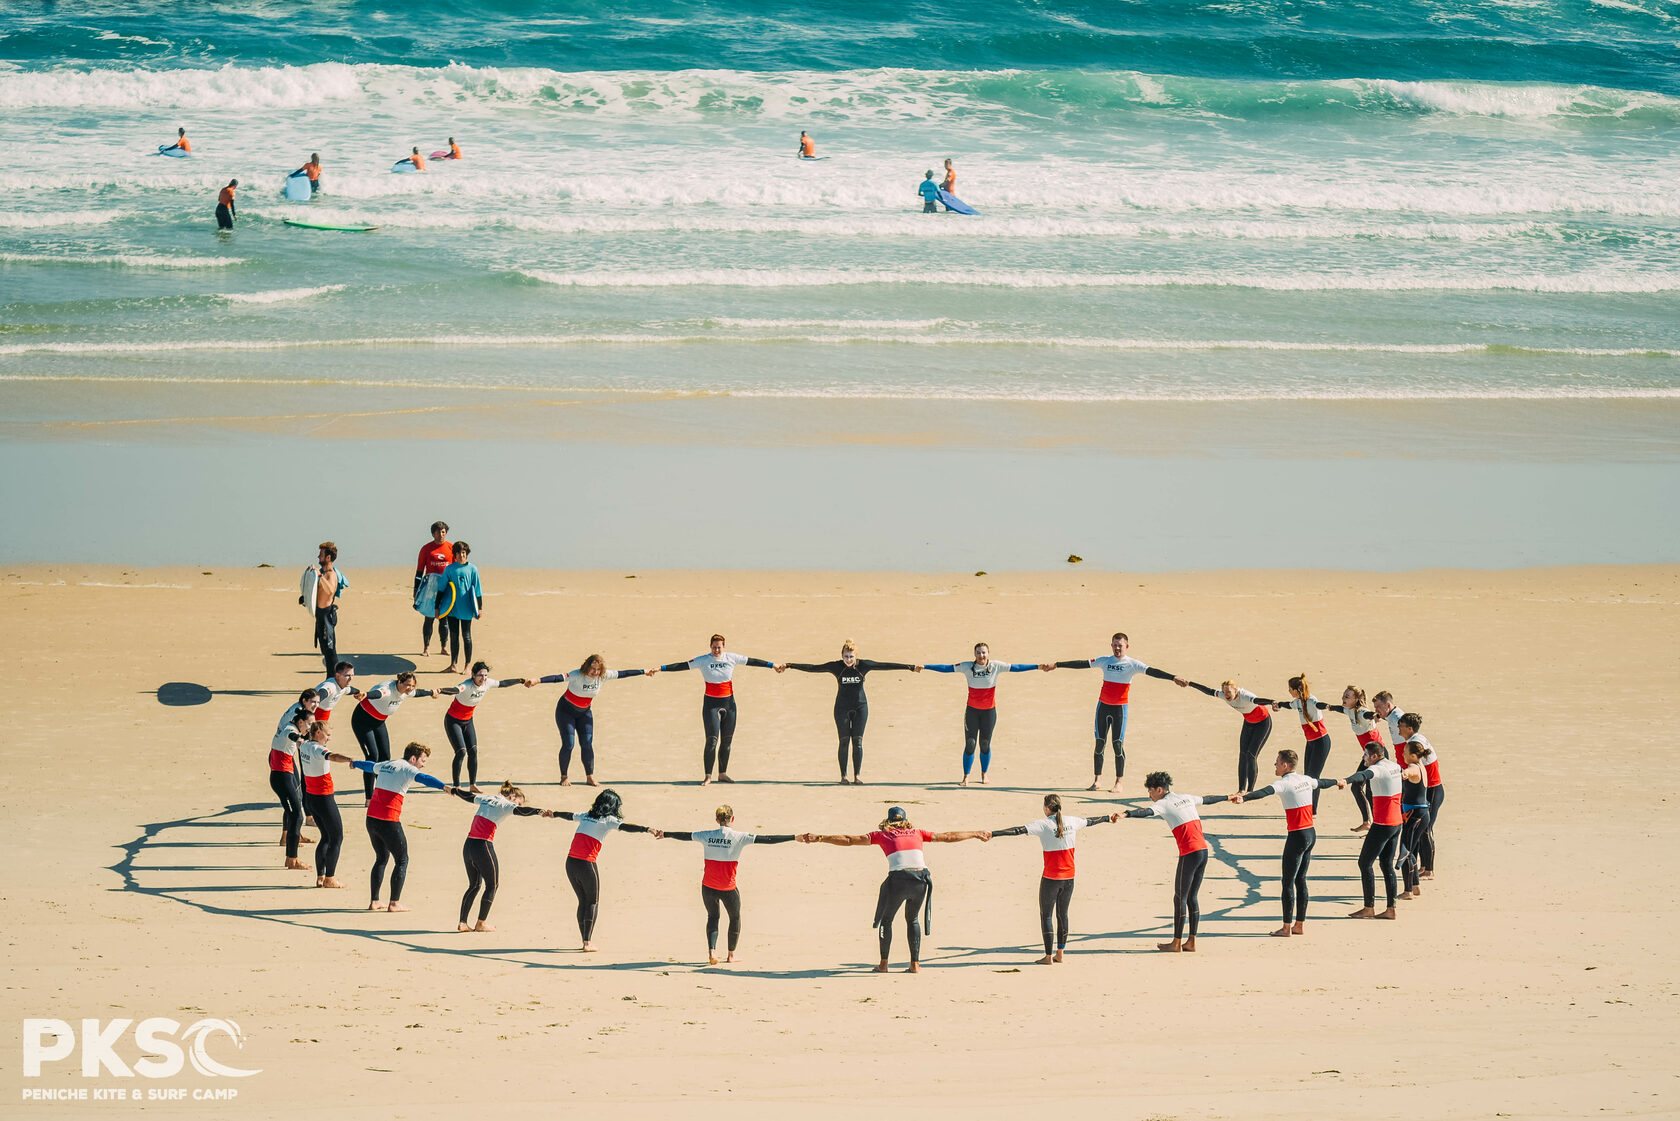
[(425, 597), (306, 586)]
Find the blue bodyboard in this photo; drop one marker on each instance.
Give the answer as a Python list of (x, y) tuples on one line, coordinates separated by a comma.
[(952, 202)]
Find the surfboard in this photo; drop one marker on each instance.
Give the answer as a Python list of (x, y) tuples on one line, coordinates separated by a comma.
[(952, 202), (403, 167), (297, 188), (328, 226), (172, 152), (444, 601), (808, 159), (306, 588), (440, 156), (426, 595)]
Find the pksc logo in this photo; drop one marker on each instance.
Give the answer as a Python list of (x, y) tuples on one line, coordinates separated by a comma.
[(153, 1041)]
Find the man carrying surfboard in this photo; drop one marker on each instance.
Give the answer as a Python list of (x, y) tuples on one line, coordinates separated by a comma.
[(807, 147), (329, 586), (226, 212), (434, 558), (929, 190)]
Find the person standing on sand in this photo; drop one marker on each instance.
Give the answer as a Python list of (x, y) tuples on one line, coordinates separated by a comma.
[(283, 780), (318, 800), (593, 827), (458, 721), (717, 707), (367, 722), (851, 707), (1055, 888), (468, 597), (434, 558), (1363, 722), (391, 780), (1295, 791), (723, 848), (1414, 816), (929, 190), (1186, 822), (329, 586), (909, 884), (980, 715), (1118, 669), (1383, 837), (1317, 751), (226, 212), (574, 712), (1437, 793), (479, 850), (1256, 730)]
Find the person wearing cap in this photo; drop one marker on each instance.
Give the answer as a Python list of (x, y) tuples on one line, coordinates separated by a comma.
[(929, 190), (428, 570), (908, 883)]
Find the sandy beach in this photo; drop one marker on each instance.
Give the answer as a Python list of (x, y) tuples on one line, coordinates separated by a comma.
[(1532, 979)]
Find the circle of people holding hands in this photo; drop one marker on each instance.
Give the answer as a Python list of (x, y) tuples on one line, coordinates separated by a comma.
[(1399, 798)]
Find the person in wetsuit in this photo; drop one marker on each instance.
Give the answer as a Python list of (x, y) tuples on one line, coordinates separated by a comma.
[(851, 706)]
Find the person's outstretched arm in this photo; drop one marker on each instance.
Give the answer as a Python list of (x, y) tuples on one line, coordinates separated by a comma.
[(833, 839), (674, 834), (1208, 689), (1146, 811), (1096, 820), (1263, 792), (432, 781), (942, 667), (1012, 831), (816, 667), (772, 838), (1210, 799), (870, 667), (963, 834), (565, 815), (1023, 667), (465, 796), (1073, 663), (675, 667), (626, 827)]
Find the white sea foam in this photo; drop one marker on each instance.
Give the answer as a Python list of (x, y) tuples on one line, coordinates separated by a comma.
[(124, 260), (1399, 280), (41, 220), (281, 295)]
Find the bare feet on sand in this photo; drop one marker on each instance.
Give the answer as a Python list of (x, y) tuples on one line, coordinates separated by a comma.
[(395, 906), (294, 862)]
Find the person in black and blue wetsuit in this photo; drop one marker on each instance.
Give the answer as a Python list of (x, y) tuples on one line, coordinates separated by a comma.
[(980, 717), (851, 707), (1118, 669)]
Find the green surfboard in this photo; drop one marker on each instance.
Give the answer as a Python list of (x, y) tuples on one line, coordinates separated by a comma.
[(326, 226)]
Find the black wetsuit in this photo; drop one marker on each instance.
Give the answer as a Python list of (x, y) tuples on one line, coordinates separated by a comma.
[(479, 855), (1414, 830), (1249, 742), (851, 706), (1297, 858)]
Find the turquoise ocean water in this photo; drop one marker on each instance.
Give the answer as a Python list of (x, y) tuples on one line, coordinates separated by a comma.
[(1178, 200)]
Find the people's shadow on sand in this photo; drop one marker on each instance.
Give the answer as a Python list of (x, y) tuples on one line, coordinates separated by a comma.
[(186, 694), (373, 665)]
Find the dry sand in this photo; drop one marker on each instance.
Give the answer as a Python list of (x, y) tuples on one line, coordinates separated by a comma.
[(1535, 978)]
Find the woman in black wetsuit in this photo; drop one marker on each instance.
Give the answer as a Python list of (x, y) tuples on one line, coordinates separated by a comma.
[(851, 707)]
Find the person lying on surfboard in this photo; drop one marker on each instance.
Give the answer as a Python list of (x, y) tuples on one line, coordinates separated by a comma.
[(807, 147), (929, 190)]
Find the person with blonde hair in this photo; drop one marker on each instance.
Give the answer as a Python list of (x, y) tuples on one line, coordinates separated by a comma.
[(1256, 729), (1055, 888), (723, 848), (1317, 751), (909, 884), (1364, 724), (574, 713), (851, 706), (478, 852)]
